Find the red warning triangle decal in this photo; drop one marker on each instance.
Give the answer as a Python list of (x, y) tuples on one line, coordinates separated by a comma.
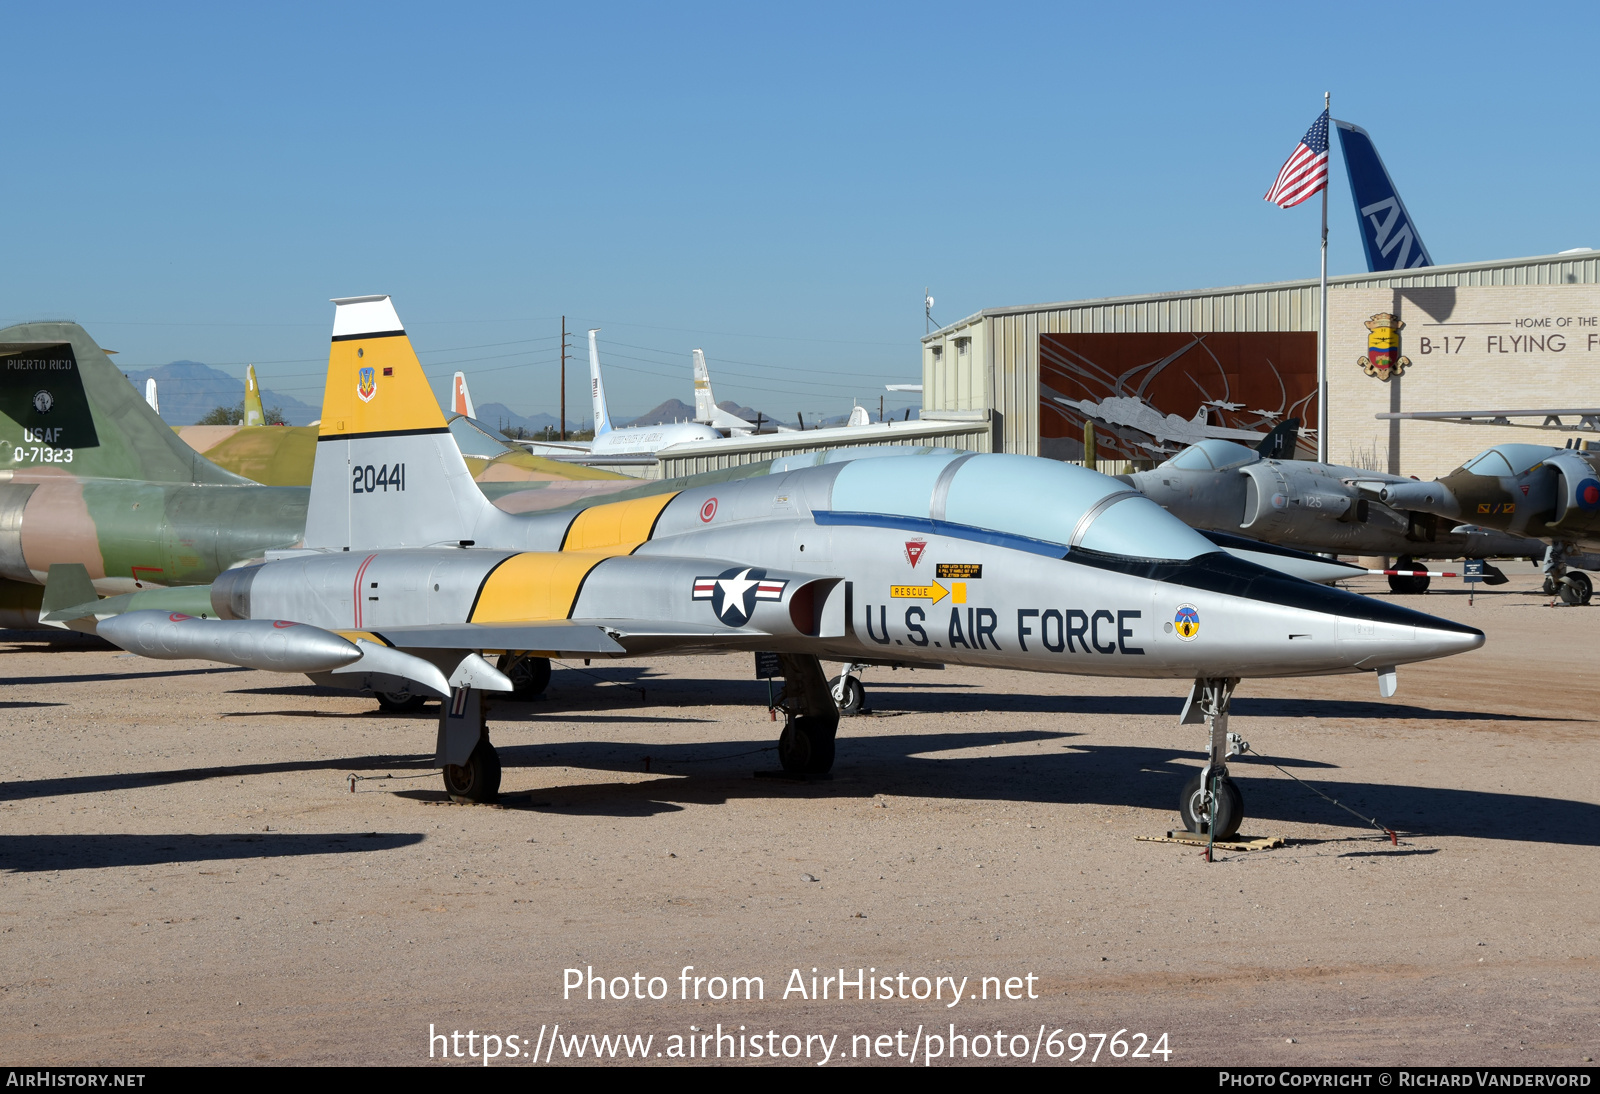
[(914, 549)]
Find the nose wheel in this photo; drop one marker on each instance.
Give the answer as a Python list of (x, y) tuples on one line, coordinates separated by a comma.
[(848, 693), (1211, 805), (1206, 809)]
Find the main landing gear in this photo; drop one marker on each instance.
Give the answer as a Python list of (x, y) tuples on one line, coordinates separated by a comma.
[(1573, 586), (1211, 803), (811, 718), (471, 764), (1413, 586), (529, 675)]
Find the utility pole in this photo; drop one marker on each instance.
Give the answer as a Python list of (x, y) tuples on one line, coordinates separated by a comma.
[(880, 408), (563, 377)]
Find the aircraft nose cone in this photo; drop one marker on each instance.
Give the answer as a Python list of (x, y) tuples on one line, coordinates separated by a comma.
[(1442, 643)]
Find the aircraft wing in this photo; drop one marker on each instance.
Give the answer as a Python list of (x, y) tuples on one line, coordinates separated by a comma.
[(1588, 419), (579, 638)]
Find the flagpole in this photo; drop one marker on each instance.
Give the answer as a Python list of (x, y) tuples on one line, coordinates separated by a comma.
[(1322, 326)]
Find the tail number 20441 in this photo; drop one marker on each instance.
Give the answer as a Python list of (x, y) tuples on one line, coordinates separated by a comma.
[(384, 477)]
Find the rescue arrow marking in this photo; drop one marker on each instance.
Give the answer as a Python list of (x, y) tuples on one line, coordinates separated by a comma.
[(932, 593)]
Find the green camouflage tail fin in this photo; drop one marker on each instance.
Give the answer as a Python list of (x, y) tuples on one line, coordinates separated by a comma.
[(65, 406)]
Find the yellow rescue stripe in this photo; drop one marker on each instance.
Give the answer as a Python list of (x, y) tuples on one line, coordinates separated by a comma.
[(534, 586), (376, 640), (538, 585), (615, 529)]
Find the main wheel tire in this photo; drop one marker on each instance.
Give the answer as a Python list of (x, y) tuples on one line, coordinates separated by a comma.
[(806, 745), (848, 695), (477, 780), (1195, 810), (1579, 582), (399, 702), (1407, 586), (1551, 586), (529, 675)]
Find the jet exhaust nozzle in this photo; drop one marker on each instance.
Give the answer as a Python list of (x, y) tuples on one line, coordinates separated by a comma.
[(267, 644)]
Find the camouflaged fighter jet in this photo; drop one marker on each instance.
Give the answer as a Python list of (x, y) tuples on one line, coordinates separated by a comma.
[(89, 475), (996, 560), (1551, 494), (1226, 487)]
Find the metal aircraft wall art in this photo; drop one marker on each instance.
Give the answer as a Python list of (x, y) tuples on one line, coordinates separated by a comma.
[(933, 558)]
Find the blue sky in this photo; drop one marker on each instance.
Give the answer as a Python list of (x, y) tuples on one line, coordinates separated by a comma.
[(774, 184)]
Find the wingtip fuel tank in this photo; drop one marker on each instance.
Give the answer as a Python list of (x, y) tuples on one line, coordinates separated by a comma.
[(273, 645)]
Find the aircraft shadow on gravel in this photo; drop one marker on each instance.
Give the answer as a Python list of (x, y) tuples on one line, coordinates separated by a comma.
[(1146, 778), (29, 854), (96, 677), (28, 789)]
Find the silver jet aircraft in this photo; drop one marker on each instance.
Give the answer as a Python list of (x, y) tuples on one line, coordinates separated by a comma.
[(936, 558), (1220, 486)]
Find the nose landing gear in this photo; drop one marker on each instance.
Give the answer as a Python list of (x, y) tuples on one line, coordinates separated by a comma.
[(1210, 803), (848, 693)]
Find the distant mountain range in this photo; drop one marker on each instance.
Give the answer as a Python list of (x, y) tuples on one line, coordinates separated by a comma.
[(188, 391)]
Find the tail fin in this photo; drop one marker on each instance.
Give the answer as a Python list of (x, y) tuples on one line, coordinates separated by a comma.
[(705, 405), (253, 412), (150, 395), (1279, 444), (1387, 230), (602, 420), (460, 397), (65, 405), (387, 472)]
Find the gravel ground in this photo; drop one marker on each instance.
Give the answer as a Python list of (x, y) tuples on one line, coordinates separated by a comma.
[(188, 877)]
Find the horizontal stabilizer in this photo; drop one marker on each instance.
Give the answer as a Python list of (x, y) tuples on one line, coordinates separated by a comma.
[(69, 587)]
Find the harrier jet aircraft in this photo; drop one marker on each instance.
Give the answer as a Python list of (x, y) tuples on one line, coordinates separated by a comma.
[(1226, 487), (1550, 494), (995, 560)]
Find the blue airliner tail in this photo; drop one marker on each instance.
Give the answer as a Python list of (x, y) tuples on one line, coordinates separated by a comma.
[(1387, 230)]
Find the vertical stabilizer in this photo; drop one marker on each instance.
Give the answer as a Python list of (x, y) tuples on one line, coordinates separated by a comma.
[(253, 412), (705, 404), (63, 403), (387, 472), (150, 395), (460, 397), (1388, 233), (602, 420)]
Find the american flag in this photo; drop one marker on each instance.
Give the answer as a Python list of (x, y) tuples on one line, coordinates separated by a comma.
[(1306, 170)]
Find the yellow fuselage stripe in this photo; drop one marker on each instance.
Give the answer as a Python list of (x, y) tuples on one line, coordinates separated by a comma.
[(617, 528)]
